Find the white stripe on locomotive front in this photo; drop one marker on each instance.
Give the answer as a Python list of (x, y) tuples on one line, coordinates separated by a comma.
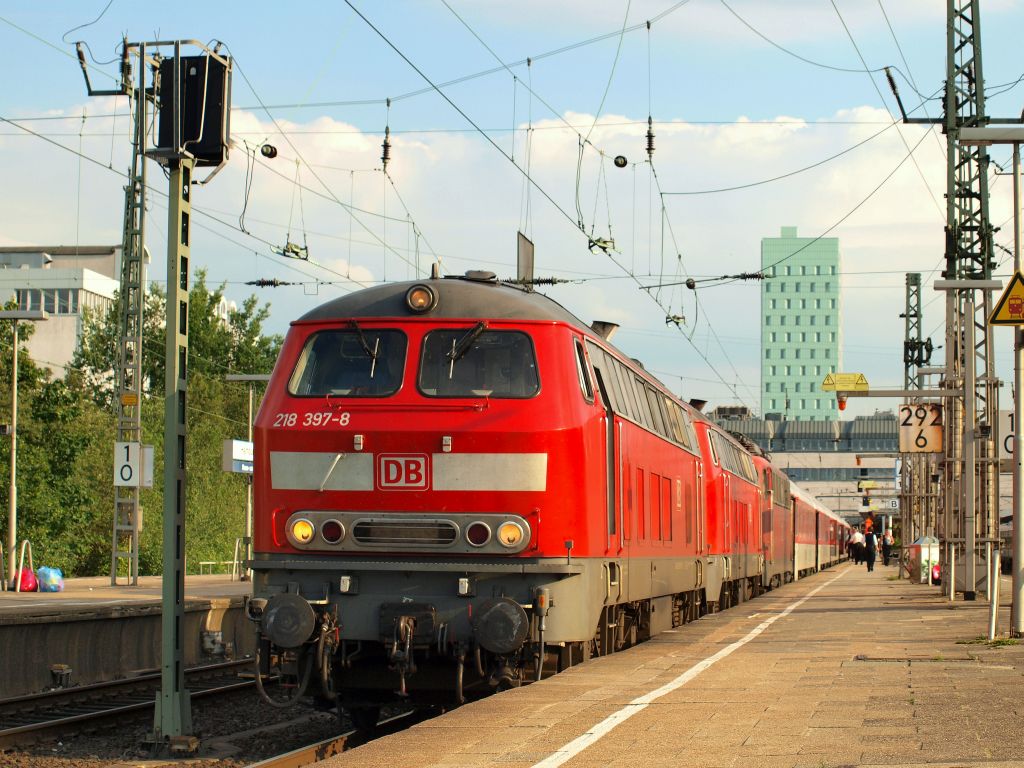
[(306, 470), (490, 471)]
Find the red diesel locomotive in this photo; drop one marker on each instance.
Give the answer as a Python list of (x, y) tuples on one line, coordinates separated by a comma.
[(457, 483)]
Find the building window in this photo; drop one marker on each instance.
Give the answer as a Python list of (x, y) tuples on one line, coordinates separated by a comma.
[(817, 335), (817, 303), (832, 270), (782, 320), (796, 320), (767, 287), (771, 303), (796, 387), (817, 269), (828, 354), (767, 320), (782, 288), (828, 319), (782, 356), (832, 303), (813, 319), (771, 337), (789, 271), (828, 287), (787, 370), (796, 287), (773, 405), (767, 354), (767, 387), (771, 370), (803, 269), (789, 303)]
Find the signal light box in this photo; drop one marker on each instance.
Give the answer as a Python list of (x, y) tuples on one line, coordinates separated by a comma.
[(205, 106)]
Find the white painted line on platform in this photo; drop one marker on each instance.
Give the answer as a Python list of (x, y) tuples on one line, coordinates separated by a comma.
[(637, 705)]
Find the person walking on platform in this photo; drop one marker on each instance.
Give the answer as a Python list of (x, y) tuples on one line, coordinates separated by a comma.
[(857, 546), (887, 542), (870, 549)]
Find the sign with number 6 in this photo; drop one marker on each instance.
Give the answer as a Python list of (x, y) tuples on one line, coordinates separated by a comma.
[(921, 428)]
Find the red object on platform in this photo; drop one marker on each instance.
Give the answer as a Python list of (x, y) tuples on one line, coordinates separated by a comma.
[(28, 580)]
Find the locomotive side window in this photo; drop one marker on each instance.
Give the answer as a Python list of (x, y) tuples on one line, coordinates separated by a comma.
[(350, 362), (473, 362), (581, 369)]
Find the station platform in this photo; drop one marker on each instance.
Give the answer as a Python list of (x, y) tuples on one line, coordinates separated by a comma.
[(103, 632), (96, 594), (844, 668)]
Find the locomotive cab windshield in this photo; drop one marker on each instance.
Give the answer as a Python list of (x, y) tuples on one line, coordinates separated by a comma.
[(351, 362), (499, 364)]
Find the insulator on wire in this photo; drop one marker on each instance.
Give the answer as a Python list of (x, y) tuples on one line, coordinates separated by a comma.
[(265, 282), (650, 138), (385, 157)]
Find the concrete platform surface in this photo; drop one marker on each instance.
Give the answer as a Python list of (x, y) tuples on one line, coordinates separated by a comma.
[(96, 593), (845, 668)]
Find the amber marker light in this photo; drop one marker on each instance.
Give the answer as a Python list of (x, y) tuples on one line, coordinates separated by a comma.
[(421, 298), (510, 534), (302, 531)]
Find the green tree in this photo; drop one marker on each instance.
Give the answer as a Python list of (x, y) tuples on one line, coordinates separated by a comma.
[(218, 345)]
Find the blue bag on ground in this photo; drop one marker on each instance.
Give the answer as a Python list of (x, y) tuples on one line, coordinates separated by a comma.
[(50, 579)]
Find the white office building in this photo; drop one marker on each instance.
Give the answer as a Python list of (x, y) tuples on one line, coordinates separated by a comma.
[(62, 281)]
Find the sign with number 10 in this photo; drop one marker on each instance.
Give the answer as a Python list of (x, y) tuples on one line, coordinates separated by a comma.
[(921, 428)]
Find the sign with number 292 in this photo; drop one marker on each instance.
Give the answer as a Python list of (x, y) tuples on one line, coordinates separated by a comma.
[(921, 428)]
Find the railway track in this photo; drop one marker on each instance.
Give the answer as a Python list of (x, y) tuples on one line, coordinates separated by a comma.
[(25, 719), (334, 745)]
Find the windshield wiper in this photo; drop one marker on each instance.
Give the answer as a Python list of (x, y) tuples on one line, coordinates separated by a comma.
[(461, 347), (370, 353)]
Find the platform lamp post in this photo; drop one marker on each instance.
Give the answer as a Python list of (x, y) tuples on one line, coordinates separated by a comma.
[(15, 315), (251, 379), (1012, 134)]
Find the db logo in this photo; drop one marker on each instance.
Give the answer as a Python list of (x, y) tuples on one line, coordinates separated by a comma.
[(403, 471)]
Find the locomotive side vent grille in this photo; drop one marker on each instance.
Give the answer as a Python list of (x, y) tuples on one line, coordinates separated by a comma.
[(406, 533)]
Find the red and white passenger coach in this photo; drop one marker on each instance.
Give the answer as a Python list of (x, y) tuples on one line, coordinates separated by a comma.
[(457, 481)]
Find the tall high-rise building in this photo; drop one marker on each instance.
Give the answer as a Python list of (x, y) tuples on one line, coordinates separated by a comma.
[(801, 340)]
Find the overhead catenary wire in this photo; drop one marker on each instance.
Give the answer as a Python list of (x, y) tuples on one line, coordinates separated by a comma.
[(284, 134), (924, 180)]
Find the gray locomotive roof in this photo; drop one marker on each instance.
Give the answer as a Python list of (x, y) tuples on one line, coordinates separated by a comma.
[(456, 298)]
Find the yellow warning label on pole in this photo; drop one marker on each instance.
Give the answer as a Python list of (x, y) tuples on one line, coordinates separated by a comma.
[(845, 382), (1010, 307)]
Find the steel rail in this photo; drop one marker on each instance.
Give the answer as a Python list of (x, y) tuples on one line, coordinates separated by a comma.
[(334, 745), (24, 719)]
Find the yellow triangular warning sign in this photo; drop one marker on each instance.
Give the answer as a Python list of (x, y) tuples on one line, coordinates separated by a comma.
[(1010, 307), (829, 383)]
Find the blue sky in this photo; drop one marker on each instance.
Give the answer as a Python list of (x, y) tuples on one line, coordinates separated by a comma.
[(730, 109)]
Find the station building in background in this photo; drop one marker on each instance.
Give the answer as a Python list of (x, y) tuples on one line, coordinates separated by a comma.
[(801, 339)]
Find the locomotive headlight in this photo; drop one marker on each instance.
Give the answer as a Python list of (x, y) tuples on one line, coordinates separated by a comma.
[(302, 531), (421, 298), (510, 534)]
